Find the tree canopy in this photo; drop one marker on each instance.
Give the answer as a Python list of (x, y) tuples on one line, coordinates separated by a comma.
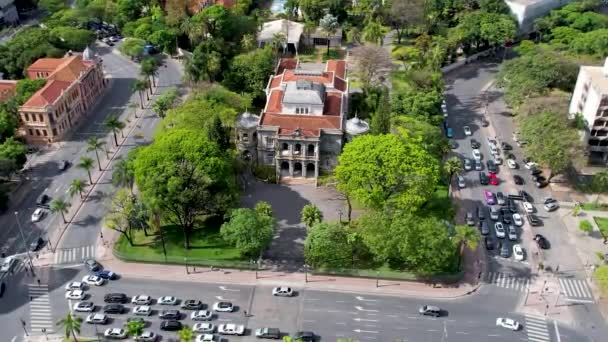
[(327, 245), (249, 230)]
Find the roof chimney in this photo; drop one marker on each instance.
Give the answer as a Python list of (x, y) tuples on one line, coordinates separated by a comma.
[(605, 68)]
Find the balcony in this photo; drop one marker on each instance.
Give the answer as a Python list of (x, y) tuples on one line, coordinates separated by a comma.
[(296, 151)]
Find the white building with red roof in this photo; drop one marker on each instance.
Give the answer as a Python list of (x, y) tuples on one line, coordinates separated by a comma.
[(302, 128), (74, 83)]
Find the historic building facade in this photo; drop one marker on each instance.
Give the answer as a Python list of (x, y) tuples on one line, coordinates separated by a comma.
[(74, 83), (303, 126)]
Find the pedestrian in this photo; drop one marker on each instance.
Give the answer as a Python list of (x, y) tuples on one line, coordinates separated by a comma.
[(245, 313), (31, 298), (38, 281)]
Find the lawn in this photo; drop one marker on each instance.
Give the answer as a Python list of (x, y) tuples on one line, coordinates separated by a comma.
[(206, 247), (315, 55), (602, 224), (594, 206)]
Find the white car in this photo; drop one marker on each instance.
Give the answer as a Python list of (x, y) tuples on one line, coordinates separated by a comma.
[(461, 182), (476, 154), (142, 310), (115, 333), (468, 166), (231, 329), (493, 149), (518, 252), (84, 307), (75, 285), (518, 220), (7, 264), (37, 215), (75, 295), (205, 338), (203, 328), (223, 307), (528, 207), (512, 164), (93, 280), (507, 323), (141, 300), (201, 315), (282, 291), (497, 160), (467, 131), (500, 230), (97, 318), (146, 336), (531, 165), (512, 232), (167, 300)]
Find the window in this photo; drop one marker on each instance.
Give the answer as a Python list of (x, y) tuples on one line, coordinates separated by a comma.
[(297, 110), (26, 117), (245, 137), (306, 109), (44, 133), (268, 141), (31, 131), (38, 132), (41, 117), (54, 131), (34, 117)]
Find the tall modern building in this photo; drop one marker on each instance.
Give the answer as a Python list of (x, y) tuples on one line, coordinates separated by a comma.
[(590, 99), (303, 126), (74, 83)]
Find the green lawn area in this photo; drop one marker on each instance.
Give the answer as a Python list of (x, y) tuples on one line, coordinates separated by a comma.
[(594, 206), (602, 223), (319, 54), (206, 247)]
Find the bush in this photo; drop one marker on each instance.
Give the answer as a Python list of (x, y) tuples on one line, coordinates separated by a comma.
[(585, 226), (265, 173), (601, 276)]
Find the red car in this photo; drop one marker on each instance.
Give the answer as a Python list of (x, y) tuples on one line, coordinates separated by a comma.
[(493, 179)]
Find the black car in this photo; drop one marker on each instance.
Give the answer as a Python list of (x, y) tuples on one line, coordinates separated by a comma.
[(483, 179), (192, 304), (505, 146), (484, 228), (115, 298), (500, 198), (534, 220), (518, 180), (512, 206), (475, 144), (43, 201), (170, 325), (516, 197), (170, 314), (511, 156), (36, 244), (113, 309), (535, 172), (492, 166), (92, 265), (507, 218), (526, 196), (478, 165), (504, 249), (305, 336), (481, 213), (539, 178), (63, 165), (270, 333), (489, 242), (541, 241)]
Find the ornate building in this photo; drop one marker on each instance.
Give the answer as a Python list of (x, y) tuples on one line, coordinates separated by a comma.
[(303, 126), (74, 83)]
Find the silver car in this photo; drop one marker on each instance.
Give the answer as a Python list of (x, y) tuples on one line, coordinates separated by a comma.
[(468, 166), (461, 182)]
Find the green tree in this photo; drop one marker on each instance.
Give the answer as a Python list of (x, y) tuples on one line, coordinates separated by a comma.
[(601, 276), (94, 144), (186, 176), (406, 14), (114, 125), (217, 133), (86, 164), (585, 226), (71, 38), (204, 64), (593, 43), (123, 174), (165, 102), (451, 167), (381, 119), (71, 324), (430, 137), (59, 205), (311, 215), (132, 47), (140, 86), (249, 232), (374, 32), (248, 42), (380, 169), (185, 334), (465, 237), (249, 72), (14, 150), (329, 25), (263, 208), (327, 245), (77, 186), (599, 183), (121, 213), (52, 6), (135, 328), (148, 67), (494, 6)]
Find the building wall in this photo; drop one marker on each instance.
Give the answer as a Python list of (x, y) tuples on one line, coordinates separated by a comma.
[(526, 11), (290, 108)]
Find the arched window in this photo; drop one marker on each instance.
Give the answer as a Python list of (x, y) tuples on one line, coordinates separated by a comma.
[(297, 110)]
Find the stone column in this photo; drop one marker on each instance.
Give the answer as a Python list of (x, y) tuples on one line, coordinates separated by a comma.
[(290, 167), (316, 169)]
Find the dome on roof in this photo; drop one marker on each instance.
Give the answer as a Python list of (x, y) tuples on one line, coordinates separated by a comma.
[(247, 120), (87, 54), (356, 126)]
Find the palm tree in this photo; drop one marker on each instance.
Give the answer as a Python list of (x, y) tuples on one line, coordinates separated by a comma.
[(71, 324), (466, 237), (94, 144), (115, 125), (374, 32), (329, 25), (77, 186), (123, 175), (279, 41), (86, 163), (140, 86), (311, 214), (59, 205), (149, 66), (185, 335), (135, 328), (248, 42), (194, 30), (451, 167)]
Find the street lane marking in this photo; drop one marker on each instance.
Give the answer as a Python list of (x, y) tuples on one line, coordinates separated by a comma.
[(224, 288), (365, 310), (493, 335), (365, 331), (559, 339), (365, 300), (308, 321), (340, 301), (462, 333), (434, 330), (364, 320)]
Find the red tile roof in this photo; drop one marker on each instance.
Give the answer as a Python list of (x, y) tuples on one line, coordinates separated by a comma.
[(333, 104), (289, 75), (338, 67), (45, 64), (275, 102), (304, 132), (307, 123), (286, 64), (276, 81), (339, 84), (7, 89), (47, 94)]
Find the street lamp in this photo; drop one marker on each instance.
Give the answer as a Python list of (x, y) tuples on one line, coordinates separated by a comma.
[(306, 273), (23, 325), (340, 213), (27, 250)]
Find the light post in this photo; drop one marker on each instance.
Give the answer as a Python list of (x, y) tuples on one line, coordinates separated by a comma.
[(23, 325), (306, 273), (27, 250), (340, 213), (186, 264), (377, 279)]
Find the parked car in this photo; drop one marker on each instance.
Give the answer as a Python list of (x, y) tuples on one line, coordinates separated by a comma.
[(494, 213), (481, 213), (528, 207), (97, 318), (518, 180), (483, 179), (500, 198), (500, 230), (512, 164), (488, 242), (205, 338), (272, 333), (491, 166), (192, 304), (489, 197), (74, 285), (304, 336), (530, 165), (92, 265), (43, 201), (505, 146), (115, 333), (475, 144), (106, 274), (541, 241), (449, 132), (469, 219), (84, 307), (167, 300), (231, 329), (146, 336), (467, 131), (507, 323), (518, 252), (141, 300), (282, 291), (113, 309), (551, 206), (476, 154), (63, 165), (208, 328), (170, 314), (37, 215), (170, 325), (468, 166), (461, 182), (115, 298), (512, 233), (526, 196), (494, 179), (223, 307), (201, 315), (503, 247), (518, 220), (484, 228), (142, 310), (93, 280), (36, 244), (478, 165)]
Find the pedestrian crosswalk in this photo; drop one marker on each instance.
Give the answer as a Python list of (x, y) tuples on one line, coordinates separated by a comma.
[(508, 281), (18, 267), (74, 255), (576, 290), (41, 319), (536, 329)]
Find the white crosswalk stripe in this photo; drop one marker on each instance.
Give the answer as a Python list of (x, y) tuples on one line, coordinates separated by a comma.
[(536, 328), (508, 281), (40, 310), (74, 255), (576, 290)]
